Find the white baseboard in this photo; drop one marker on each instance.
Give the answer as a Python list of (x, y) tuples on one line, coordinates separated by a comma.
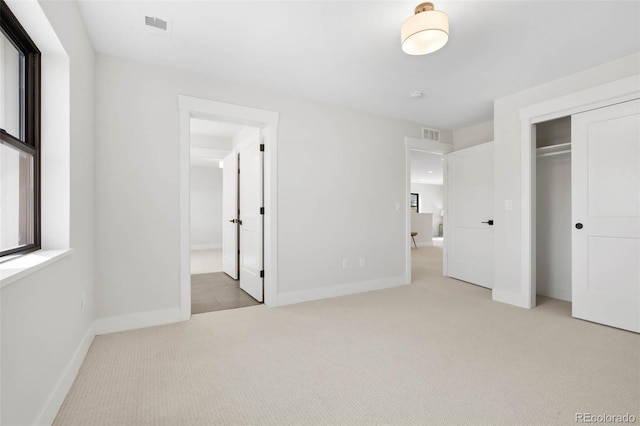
[(55, 400), (339, 290), (137, 320), (510, 298), (205, 246)]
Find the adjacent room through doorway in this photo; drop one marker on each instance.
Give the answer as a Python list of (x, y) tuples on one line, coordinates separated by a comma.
[(427, 201), (212, 287)]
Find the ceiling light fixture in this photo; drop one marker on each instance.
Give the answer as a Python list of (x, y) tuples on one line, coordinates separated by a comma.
[(426, 31)]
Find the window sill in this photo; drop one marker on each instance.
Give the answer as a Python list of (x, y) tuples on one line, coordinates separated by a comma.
[(15, 269)]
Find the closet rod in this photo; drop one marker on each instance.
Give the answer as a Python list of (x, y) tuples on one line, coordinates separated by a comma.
[(550, 154)]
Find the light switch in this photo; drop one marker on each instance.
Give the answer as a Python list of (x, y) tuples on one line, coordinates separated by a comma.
[(508, 205)]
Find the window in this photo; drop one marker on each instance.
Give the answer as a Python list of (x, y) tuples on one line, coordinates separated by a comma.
[(19, 137), (415, 201)]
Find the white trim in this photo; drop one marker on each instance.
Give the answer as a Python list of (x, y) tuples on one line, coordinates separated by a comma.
[(21, 266), (185, 213), (339, 290), (213, 110), (136, 320), (268, 122), (508, 297), (57, 396), (595, 97), (600, 96), (417, 144)]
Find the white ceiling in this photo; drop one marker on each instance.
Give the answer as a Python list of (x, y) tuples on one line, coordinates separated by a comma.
[(349, 53), (426, 168)]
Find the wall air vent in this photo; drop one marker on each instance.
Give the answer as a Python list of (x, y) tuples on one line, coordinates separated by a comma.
[(156, 23), (431, 134)]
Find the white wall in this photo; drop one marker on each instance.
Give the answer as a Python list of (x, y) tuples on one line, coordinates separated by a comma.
[(431, 201), (340, 174), (206, 207), (422, 223), (43, 324), (553, 226), (472, 135), (508, 284)]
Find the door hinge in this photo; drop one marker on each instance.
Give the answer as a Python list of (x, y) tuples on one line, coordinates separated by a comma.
[(261, 210), (238, 252), (261, 274), (262, 147)]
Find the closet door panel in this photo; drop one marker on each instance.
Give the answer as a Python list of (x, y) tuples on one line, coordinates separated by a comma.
[(606, 215)]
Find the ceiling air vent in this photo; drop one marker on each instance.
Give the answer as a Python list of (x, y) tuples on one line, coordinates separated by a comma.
[(157, 27), (431, 134), (156, 23)]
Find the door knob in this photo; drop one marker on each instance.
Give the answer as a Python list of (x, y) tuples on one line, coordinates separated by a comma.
[(232, 221), (490, 222), (578, 225), (239, 222)]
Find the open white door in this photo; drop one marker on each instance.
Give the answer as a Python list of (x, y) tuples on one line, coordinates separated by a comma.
[(605, 157), (230, 215), (251, 223), (469, 215)]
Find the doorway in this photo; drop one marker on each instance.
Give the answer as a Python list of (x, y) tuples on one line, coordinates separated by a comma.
[(250, 120), (432, 152), (427, 198), (215, 283), (596, 156)]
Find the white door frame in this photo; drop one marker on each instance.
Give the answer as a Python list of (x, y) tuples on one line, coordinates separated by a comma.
[(417, 144), (268, 122), (614, 92)]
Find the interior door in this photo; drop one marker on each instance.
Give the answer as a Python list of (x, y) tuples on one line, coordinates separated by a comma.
[(605, 158), (469, 215), (230, 215), (251, 219)]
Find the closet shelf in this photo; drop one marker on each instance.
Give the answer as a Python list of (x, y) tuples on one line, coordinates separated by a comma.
[(546, 151)]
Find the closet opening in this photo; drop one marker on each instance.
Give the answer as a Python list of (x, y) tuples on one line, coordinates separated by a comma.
[(553, 231)]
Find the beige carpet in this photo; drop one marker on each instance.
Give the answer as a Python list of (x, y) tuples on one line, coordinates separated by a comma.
[(436, 352)]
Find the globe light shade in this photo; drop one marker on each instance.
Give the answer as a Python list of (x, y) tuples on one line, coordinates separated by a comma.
[(426, 31)]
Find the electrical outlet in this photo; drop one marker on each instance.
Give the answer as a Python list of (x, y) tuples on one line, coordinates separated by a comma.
[(345, 263), (361, 262), (508, 205)]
